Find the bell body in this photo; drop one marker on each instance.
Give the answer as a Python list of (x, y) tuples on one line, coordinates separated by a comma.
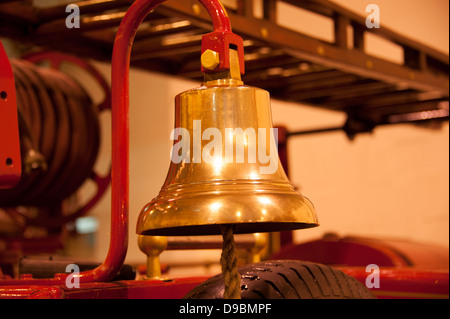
[(225, 168)]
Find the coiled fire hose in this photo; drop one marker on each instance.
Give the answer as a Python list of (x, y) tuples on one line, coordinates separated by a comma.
[(59, 136)]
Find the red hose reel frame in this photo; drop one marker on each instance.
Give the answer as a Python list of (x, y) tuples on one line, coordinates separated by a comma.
[(56, 60), (219, 40), (10, 158)]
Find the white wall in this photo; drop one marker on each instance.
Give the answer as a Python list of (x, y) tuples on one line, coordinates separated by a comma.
[(392, 183)]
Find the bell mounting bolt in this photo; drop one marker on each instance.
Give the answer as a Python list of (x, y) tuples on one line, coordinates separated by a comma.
[(222, 39), (218, 44)]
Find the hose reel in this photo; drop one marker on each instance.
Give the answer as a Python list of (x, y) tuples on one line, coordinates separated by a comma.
[(60, 138)]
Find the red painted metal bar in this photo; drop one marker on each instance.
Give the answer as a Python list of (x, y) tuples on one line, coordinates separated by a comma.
[(10, 160), (218, 14), (120, 140)]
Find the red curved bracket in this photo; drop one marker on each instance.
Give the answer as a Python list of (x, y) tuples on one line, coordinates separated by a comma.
[(120, 125), (120, 136)]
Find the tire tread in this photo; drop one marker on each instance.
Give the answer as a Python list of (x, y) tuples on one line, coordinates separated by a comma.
[(287, 279)]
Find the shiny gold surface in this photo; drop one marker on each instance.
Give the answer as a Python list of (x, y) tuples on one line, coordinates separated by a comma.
[(255, 251), (199, 195)]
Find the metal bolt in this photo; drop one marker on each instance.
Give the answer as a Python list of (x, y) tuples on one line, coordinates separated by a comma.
[(264, 33), (210, 59), (196, 8), (320, 50)]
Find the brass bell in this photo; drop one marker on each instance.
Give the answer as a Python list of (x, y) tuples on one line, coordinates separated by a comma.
[(225, 168)]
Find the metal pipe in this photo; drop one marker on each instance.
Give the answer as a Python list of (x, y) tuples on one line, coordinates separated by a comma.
[(315, 131)]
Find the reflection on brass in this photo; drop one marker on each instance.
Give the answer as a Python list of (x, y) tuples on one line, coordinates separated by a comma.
[(256, 249)]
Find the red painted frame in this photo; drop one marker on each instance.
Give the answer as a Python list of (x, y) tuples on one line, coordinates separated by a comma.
[(10, 158), (127, 289)]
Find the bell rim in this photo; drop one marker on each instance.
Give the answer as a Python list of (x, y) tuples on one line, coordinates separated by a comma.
[(238, 228), (251, 213)]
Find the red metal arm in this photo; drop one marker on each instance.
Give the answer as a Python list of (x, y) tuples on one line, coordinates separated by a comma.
[(218, 14), (120, 134)]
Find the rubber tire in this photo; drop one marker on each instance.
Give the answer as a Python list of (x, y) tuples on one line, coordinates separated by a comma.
[(287, 279)]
